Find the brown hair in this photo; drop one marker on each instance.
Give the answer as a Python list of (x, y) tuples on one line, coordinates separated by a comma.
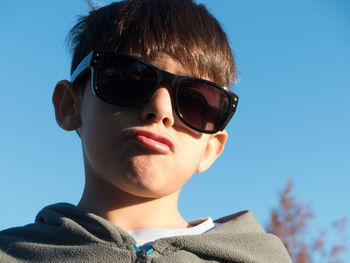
[(181, 29)]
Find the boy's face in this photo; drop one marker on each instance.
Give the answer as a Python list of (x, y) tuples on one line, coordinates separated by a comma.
[(146, 150)]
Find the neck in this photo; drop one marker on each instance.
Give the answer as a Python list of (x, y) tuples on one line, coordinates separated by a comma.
[(128, 211)]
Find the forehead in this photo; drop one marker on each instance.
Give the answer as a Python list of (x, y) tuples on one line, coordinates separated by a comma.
[(172, 65), (167, 63)]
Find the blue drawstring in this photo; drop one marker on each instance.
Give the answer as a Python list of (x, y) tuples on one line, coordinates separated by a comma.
[(149, 251), (138, 250)]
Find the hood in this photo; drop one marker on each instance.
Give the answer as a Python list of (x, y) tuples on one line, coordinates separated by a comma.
[(64, 233)]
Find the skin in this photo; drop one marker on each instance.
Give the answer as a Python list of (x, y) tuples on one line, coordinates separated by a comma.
[(126, 177)]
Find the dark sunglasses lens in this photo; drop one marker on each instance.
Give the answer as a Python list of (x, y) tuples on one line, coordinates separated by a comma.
[(202, 105), (123, 80)]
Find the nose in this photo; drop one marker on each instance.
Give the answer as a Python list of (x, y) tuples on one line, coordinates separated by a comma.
[(159, 108)]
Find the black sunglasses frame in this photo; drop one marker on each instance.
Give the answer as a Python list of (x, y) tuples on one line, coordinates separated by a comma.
[(91, 62)]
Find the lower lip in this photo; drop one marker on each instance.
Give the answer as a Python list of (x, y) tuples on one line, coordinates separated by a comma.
[(152, 144)]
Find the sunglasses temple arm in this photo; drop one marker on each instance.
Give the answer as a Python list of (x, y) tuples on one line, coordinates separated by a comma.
[(83, 65)]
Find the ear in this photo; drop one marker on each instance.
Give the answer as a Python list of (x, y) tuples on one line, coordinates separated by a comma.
[(66, 101), (214, 148)]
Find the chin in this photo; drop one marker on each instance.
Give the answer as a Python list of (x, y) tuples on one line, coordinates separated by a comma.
[(145, 191), (146, 185)]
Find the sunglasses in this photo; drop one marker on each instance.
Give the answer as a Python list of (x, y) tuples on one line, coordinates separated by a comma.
[(124, 80)]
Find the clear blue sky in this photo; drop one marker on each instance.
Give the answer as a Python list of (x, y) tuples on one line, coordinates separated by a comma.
[(293, 120)]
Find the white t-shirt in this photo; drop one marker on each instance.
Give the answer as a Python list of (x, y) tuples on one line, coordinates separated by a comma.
[(145, 237)]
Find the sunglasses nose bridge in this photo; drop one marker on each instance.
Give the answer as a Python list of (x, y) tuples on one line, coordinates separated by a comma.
[(158, 107), (165, 80)]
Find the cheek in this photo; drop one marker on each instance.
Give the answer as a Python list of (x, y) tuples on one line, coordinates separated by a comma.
[(94, 135), (191, 155), (95, 149), (99, 132)]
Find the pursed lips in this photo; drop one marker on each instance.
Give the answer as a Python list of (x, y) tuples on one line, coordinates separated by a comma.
[(152, 141)]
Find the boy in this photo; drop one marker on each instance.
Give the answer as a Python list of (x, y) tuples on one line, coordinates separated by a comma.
[(149, 99)]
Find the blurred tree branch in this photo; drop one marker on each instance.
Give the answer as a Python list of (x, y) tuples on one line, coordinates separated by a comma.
[(290, 222)]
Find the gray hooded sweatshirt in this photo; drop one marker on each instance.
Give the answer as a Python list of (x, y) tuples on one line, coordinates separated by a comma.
[(64, 233)]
